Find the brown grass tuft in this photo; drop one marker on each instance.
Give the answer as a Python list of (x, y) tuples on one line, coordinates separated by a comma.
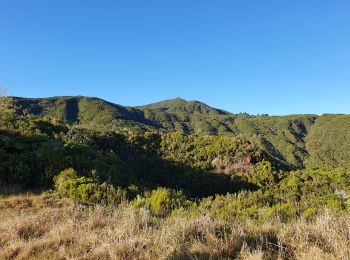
[(47, 228)]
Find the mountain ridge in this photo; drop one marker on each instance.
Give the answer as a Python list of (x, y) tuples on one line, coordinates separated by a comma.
[(223, 111), (182, 105), (290, 139)]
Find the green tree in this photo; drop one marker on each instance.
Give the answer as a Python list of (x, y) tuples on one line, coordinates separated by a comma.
[(163, 201), (7, 106), (263, 174)]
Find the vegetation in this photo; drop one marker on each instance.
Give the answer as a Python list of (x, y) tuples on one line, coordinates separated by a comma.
[(172, 180), (328, 142), (283, 137), (58, 229)]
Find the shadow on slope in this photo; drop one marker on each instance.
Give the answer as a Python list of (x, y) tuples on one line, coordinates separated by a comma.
[(32, 162)]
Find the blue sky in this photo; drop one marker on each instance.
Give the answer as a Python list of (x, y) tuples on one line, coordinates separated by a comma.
[(276, 57)]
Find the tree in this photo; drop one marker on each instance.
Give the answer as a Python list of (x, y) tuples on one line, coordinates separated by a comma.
[(7, 105), (263, 174)]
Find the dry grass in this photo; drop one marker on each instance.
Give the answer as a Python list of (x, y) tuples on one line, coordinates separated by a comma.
[(39, 227)]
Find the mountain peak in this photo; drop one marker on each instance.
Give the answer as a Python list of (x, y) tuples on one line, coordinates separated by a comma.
[(180, 105)]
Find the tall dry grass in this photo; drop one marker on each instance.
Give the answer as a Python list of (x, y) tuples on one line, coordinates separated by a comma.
[(39, 227)]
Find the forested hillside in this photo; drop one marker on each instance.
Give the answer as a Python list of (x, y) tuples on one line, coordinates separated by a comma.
[(290, 140), (140, 146), (328, 142), (171, 164)]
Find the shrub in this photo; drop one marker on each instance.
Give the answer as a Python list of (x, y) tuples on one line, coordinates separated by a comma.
[(309, 213), (163, 201), (87, 190), (285, 211), (63, 176), (263, 174), (79, 135)]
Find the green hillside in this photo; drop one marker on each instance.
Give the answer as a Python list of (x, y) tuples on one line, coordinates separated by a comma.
[(293, 141), (328, 142), (88, 111), (179, 105), (283, 137), (170, 160), (178, 160)]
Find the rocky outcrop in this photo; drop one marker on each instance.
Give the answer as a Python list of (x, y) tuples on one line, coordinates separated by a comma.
[(233, 165)]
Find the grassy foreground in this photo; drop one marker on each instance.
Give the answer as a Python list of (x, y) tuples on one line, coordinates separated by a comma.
[(42, 227)]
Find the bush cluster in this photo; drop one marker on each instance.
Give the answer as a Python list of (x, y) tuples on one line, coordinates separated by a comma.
[(87, 190)]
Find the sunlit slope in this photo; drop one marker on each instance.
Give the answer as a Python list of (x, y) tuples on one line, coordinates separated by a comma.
[(294, 141), (328, 142)]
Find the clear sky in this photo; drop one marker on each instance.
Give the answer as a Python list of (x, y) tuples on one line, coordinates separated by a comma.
[(256, 56)]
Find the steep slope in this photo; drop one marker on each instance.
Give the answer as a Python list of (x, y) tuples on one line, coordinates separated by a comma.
[(170, 115), (188, 116), (282, 136), (328, 142), (179, 105), (86, 111)]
